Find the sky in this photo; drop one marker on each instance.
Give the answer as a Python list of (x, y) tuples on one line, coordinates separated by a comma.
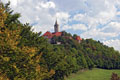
[(97, 19)]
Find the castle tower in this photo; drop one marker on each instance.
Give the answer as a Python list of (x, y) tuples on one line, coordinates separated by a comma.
[(56, 27)]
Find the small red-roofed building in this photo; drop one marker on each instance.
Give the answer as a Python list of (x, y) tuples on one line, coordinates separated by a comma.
[(79, 39), (48, 35)]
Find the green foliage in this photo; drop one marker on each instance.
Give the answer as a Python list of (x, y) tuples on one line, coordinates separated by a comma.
[(101, 55)]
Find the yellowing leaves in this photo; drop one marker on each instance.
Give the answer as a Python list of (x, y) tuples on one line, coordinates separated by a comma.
[(17, 70), (52, 72), (3, 77), (29, 50), (38, 57), (3, 17), (6, 59), (38, 68)]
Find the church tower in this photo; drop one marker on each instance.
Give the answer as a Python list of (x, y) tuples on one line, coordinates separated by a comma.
[(56, 27)]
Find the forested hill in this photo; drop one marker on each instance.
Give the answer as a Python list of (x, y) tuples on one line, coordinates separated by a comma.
[(25, 55)]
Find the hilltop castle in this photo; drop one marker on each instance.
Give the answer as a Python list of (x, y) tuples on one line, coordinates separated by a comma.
[(57, 33)]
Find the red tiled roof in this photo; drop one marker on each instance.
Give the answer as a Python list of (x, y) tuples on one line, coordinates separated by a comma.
[(57, 34), (78, 38), (48, 34)]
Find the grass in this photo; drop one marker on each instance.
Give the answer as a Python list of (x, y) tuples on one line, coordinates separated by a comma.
[(95, 74)]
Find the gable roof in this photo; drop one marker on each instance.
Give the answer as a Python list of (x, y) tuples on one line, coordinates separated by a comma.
[(48, 34)]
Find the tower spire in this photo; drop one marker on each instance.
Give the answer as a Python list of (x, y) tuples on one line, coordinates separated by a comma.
[(56, 26), (56, 22)]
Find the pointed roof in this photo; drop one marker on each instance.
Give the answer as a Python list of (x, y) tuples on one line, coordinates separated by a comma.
[(56, 23)]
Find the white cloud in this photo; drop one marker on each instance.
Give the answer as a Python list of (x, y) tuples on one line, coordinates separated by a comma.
[(113, 27), (79, 27), (113, 43), (47, 4), (70, 5), (75, 27), (62, 17), (78, 17), (98, 35), (13, 2), (118, 13), (99, 12)]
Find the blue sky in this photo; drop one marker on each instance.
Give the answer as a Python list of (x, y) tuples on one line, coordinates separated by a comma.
[(97, 19)]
